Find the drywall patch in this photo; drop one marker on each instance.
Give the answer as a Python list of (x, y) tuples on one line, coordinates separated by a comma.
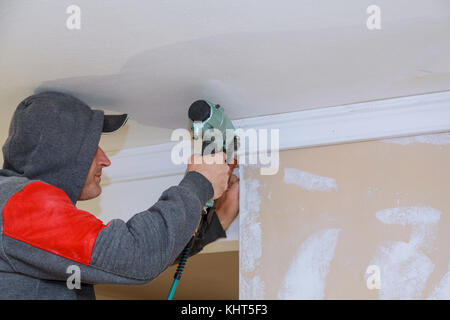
[(308, 180), (404, 267), (404, 271), (250, 240), (442, 290), (307, 274), (251, 285), (422, 219), (409, 215), (436, 139), (252, 288)]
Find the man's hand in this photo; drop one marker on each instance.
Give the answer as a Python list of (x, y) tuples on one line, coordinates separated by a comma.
[(227, 206), (226, 187), (213, 168)]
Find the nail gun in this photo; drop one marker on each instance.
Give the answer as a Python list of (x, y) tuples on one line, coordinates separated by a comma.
[(215, 132)]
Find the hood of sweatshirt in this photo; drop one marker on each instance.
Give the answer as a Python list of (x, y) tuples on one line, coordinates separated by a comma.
[(53, 138)]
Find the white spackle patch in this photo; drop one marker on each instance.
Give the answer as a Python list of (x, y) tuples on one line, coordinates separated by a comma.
[(409, 215), (252, 289), (308, 180), (442, 290), (404, 267), (250, 235), (250, 239), (404, 271), (307, 274), (423, 220), (435, 139)]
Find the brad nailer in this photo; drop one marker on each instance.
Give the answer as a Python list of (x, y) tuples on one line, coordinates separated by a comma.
[(215, 133)]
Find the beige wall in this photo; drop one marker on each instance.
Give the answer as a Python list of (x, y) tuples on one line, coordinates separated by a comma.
[(312, 230), (206, 276)]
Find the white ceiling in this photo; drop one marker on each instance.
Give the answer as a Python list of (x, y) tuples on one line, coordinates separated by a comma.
[(152, 59)]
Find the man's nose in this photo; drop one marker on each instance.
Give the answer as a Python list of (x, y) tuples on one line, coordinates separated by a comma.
[(103, 159)]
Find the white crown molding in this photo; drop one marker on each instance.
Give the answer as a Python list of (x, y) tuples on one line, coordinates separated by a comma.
[(398, 117), (390, 118)]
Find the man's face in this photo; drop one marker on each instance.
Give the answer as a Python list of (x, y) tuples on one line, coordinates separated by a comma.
[(92, 188)]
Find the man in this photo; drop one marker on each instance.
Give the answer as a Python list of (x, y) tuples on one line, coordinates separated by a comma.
[(52, 160)]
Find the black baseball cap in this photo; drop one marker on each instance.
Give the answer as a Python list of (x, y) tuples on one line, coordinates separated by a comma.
[(113, 123)]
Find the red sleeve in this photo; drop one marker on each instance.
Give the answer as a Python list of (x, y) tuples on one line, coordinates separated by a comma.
[(44, 217)]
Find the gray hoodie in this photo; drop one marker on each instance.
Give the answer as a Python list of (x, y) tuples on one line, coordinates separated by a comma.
[(52, 141)]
